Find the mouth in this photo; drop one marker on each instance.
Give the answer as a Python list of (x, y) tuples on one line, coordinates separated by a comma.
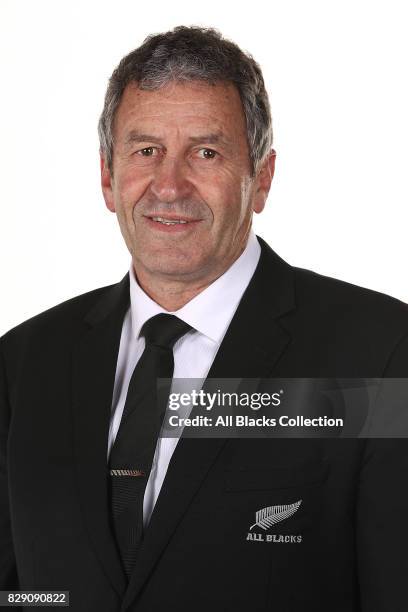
[(168, 221), (171, 223)]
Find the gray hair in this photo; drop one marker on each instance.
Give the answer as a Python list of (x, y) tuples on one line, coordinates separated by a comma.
[(187, 54)]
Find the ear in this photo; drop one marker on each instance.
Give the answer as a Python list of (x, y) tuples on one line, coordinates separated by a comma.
[(106, 183), (263, 181)]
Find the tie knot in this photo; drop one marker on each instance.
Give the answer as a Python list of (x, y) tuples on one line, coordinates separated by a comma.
[(164, 330)]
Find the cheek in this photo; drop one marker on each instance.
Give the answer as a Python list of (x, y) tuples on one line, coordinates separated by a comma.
[(124, 198), (225, 200), (125, 201), (131, 183)]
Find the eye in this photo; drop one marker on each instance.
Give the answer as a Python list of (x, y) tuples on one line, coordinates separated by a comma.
[(147, 151), (207, 153)]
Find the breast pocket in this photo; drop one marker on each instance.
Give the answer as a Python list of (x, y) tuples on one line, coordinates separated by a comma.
[(260, 479), (290, 498)]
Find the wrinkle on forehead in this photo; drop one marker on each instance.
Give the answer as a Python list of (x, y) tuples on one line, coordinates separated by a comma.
[(218, 105)]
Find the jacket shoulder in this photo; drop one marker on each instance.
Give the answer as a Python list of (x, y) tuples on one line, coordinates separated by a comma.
[(334, 293), (60, 317), (350, 309)]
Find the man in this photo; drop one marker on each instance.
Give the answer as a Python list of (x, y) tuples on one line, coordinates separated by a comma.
[(93, 501)]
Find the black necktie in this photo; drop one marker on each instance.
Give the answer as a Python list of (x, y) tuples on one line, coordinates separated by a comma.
[(132, 454)]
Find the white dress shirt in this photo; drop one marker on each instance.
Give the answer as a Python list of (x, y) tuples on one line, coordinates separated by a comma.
[(209, 313)]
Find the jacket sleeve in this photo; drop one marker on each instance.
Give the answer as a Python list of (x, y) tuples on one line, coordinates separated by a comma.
[(8, 570), (382, 513)]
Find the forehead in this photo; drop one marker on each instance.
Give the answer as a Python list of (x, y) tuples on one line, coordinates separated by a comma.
[(186, 106)]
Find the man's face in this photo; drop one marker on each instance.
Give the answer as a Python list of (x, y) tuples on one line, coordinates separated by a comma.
[(181, 184)]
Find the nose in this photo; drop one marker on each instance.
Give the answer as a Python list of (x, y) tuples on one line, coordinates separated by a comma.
[(170, 182)]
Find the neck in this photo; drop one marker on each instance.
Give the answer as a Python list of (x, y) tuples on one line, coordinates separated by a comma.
[(171, 295)]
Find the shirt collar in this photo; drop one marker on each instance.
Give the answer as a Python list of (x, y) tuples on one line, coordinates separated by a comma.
[(210, 312)]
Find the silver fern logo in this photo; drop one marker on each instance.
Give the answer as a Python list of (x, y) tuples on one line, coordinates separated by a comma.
[(267, 517)]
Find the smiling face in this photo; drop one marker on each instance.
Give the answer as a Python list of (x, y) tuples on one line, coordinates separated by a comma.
[(181, 184)]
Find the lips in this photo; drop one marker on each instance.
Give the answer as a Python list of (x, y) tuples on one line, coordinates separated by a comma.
[(166, 221), (170, 223)]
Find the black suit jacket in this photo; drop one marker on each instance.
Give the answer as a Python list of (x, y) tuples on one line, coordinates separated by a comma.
[(57, 377)]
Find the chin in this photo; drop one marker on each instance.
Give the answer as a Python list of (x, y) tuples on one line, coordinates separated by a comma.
[(174, 261)]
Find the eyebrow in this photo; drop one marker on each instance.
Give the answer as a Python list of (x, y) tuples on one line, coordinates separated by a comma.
[(212, 138), (135, 136)]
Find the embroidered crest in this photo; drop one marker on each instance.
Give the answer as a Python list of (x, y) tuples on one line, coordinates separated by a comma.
[(267, 517)]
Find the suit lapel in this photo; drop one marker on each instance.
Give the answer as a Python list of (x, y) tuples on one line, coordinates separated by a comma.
[(251, 347), (94, 367)]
